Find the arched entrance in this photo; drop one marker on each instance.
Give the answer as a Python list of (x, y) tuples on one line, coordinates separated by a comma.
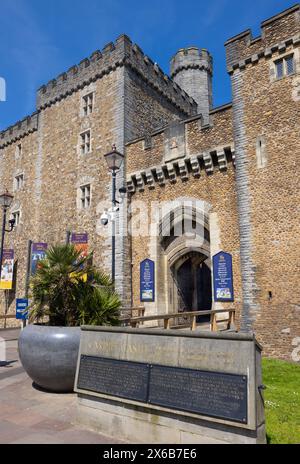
[(185, 249)]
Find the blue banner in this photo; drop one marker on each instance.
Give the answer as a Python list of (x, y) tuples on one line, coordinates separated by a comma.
[(147, 280), (21, 306), (223, 278), (38, 252)]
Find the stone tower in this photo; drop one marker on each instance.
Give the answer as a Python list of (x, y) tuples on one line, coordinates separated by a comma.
[(191, 69)]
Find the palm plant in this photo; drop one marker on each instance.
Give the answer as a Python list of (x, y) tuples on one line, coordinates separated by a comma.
[(69, 291)]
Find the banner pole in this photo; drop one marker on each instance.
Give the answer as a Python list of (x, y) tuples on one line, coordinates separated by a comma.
[(68, 236), (28, 272)]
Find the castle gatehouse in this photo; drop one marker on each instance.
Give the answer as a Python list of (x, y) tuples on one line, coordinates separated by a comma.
[(211, 193)]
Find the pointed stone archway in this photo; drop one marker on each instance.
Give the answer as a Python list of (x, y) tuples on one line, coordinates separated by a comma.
[(185, 265)]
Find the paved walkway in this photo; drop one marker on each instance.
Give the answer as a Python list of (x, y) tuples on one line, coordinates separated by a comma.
[(28, 415)]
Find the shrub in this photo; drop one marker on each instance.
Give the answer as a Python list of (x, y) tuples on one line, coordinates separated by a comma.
[(69, 291)]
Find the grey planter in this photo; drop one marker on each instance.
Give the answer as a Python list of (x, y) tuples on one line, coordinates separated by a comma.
[(49, 355)]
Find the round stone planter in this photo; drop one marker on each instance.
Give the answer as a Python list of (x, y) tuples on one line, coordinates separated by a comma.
[(49, 355)]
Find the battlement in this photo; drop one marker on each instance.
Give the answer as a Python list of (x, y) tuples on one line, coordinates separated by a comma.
[(277, 33), (146, 139), (19, 130), (191, 58), (120, 53)]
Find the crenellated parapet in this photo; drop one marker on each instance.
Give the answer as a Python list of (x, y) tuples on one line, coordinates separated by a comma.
[(191, 58), (277, 33), (19, 130), (120, 53)]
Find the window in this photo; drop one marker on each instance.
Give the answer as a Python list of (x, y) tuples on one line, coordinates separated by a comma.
[(261, 154), (285, 66), (19, 150), (88, 101), (19, 182), (85, 145), (85, 197), (279, 69), (16, 216), (289, 61)]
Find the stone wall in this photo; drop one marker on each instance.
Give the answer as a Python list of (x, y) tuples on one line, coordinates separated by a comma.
[(11, 165), (266, 108), (53, 167), (199, 138), (241, 162), (244, 49), (212, 182)]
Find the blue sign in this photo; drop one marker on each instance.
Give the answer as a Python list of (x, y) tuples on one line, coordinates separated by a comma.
[(147, 280), (21, 306), (223, 280)]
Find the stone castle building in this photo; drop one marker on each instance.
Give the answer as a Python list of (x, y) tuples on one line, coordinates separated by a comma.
[(237, 163)]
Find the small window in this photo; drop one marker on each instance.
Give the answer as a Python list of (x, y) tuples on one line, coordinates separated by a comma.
[(285, 66), (289, 65), (279, 69), (19, 182), (261, 154), (19, 150), (85, 198), (85, 145), (88, 101), (16, 216)]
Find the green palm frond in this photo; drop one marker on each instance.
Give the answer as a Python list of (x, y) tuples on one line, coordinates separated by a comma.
[(69, 290)]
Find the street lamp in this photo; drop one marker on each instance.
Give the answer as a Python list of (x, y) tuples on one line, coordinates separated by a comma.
[(114, 161), (5, 201)]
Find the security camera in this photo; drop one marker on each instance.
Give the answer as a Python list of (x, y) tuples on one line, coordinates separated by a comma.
[(12, 223), (122, 192), (104, 219)]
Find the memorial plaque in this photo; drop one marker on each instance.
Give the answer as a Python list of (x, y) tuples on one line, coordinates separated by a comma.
[(112, 377), (213, 394)]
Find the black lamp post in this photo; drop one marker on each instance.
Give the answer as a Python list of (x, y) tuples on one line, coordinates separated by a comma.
[(5, 201), (114, 161)]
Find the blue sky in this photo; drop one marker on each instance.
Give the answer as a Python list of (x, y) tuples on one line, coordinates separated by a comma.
[(39, 39)]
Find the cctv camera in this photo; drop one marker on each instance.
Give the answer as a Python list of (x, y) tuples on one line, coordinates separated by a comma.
[(104, 219), (122, 192)]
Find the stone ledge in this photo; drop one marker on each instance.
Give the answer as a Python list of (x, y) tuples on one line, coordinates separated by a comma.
[(181, 169)]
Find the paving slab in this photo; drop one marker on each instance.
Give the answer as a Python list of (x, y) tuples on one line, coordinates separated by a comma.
[(32, 415)]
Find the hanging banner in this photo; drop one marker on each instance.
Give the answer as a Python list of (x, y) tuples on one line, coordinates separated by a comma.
[(38, 252), (7, 270), (223, 279), (147, 282), (80, 241)]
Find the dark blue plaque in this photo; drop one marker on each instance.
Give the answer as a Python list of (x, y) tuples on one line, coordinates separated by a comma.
[(214, 394), (223, 280), (147, 281), (22, 308)]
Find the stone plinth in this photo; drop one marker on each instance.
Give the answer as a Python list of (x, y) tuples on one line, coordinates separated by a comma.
[(229, 356)]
